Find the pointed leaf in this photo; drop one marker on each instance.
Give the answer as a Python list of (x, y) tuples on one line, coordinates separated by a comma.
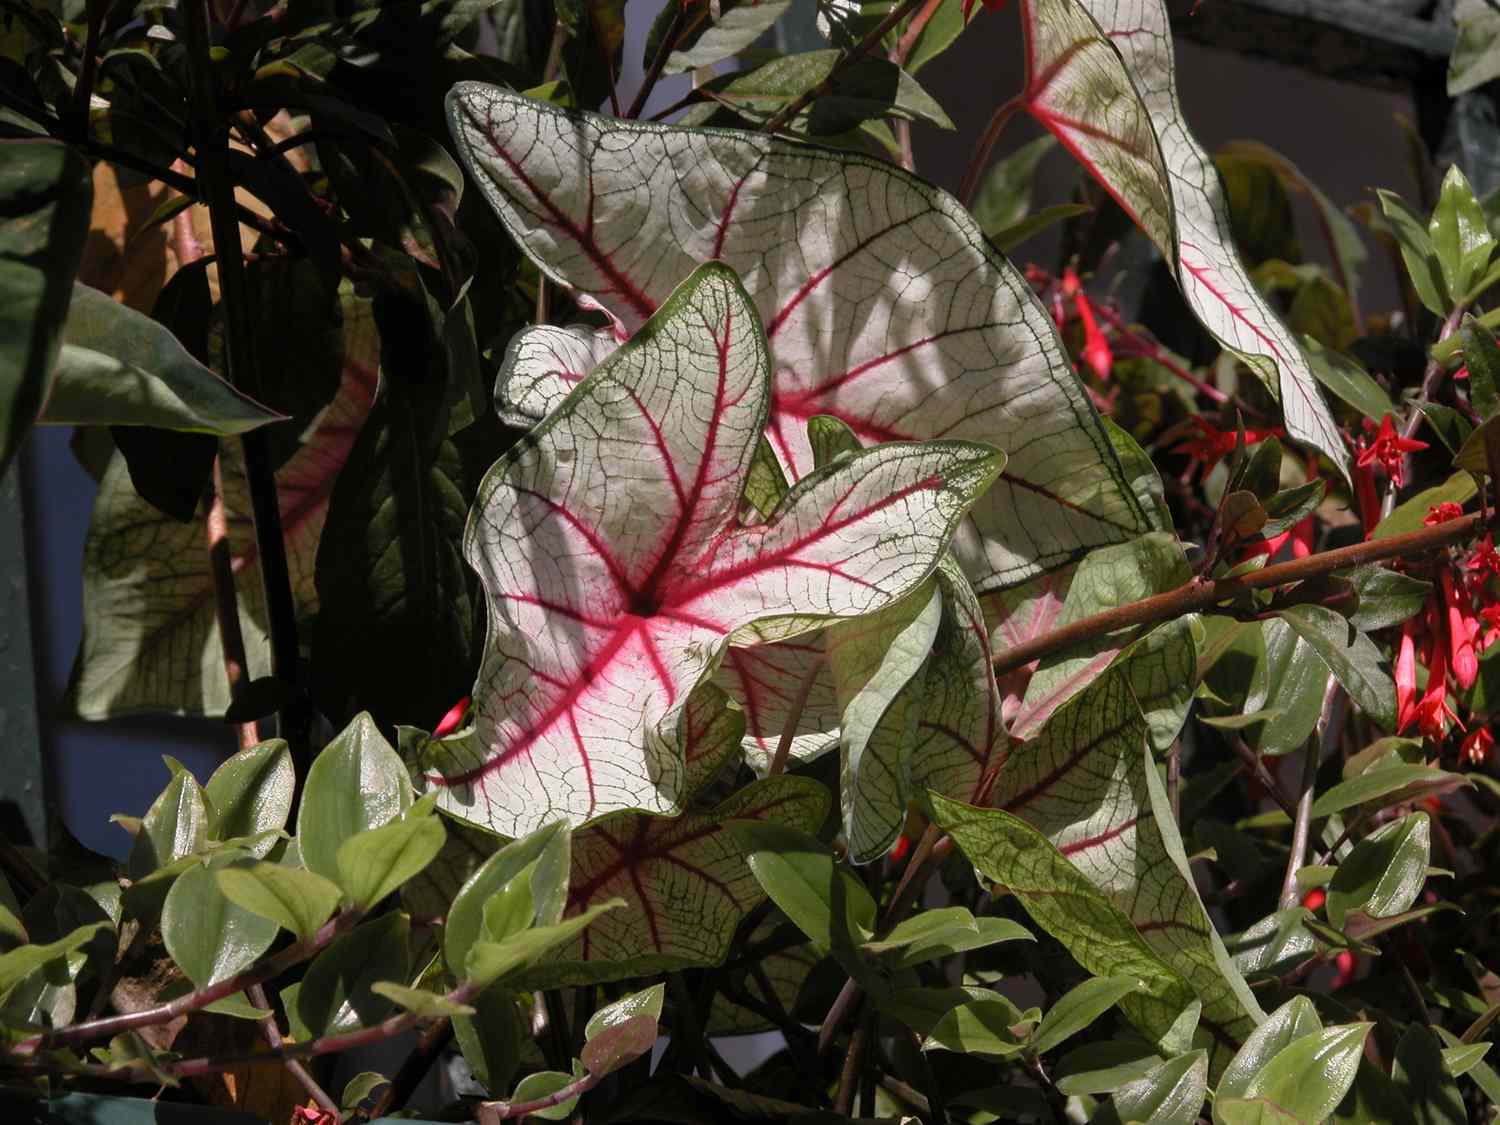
[(377, 862), (151, 633), (979, 1027), (292, 896), (337, 993), (946, 363), (684, 881), (1294, 1020), (647, 1002), (428, 1005), (1100, 77), (802, 877), (1305, 1080), (176, 825), (118, 367), (1351, 656), (1372, 785), (715, 32), (208, 935), (45, 195), (490, 961), (618, 1044), (609, 603), (251, 793), (1384, 873), (1102, 1068), (546, 849), (1171, 1094), (1080, 1007), (356, 783)]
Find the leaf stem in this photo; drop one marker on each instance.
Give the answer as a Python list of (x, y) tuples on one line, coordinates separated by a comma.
[(505, 1111), (849, 1076), (415, 1067), (272, 1034), (226, 600), (83, 90), (1312, 758), (986, 145), (659, 61), (259, 973), (241, 368), (793, 717), (847, 59), (1202, 594)]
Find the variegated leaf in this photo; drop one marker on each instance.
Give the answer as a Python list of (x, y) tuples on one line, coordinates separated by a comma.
[(150, 633), (616, 572), (542, 364), (955, 346), (1100, 76), (1088, 783)]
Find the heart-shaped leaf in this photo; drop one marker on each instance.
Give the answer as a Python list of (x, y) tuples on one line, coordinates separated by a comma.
[(615, 571), (151, 632), (1100, 77), (621, 212)]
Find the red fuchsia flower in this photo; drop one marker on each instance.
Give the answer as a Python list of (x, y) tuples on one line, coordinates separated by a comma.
[(1212, 444), (1462, 372), (1406, 675), (453, 719), (1388, 449), (1315, 898), (1346, 965), (1485, 560), (311, 1115), (1476, 748), (1490, 614), (1463, 627), (1432, 712), (1442, 513), (1365, 496), (1096, 350)]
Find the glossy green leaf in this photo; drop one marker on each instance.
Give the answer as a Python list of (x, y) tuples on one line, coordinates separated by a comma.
[(176, 824), (979, 1027), (293, 897), (1431, 1095), (337, 993), (209, 936), (118, 367), (1102, 1068), (618, 1044), (375, 863), (1461, 238), (1170, 1094), (942, 932), (1351, 656), (1384, 873), (539, 1085), (647, 1002), (46, 194), (418, 1001), (25, 959), (490, 961), (251, 793), (1348, 380), (1458, 1061), (1079, 1007), (492, 1038), (1374, 784), (1422, 266), (359, 1088), (356, 783), (1384, 597), (1482, 358), (549, 848), (802, 877), (1305, 1080)]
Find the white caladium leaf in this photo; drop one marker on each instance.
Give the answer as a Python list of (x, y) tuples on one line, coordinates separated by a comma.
[(615, 569), (768, 681), (1100, 76), (150, 631), (956, 347), (542, 364), (1088, 784), (879, 666)]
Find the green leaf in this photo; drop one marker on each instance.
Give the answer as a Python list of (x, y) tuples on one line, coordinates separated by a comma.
[(176, 825), (1305, 1080), (293, 897), (250, 794), (1080, 1007), (1457, 489), (338, 992), (1461, 238), (208, 935), (1008, 238), (802, 877), (25, 959), (1351, 656), (539, 1085), (979, 1027), (356, 783), (1374, 784), (548, 849), (713, 34), (1004, 196), (1102, 1068), (1170, 1094), (1475, 58), (1417, 251), (490, 961), (1458, 1061), (1348, 380), (1422, 1082), (939, 33), (118, 367), (491, 1039), (359, 1088), (1384, 597), (1473, 455), (46, 194), (418, 1001), (647, 1002), (619, 1044), (1384, 873), (377, 862), (510, 909), (1482, 357), (941, 932)]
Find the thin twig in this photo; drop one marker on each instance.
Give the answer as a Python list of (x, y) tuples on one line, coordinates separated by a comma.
[(793, 717), (849, 1076), (1257, 766), (272, 1034), (1203, 594), (659, 60), (986, 145), (415, 1067), (1302, 819), (83, 90), (226, 601)]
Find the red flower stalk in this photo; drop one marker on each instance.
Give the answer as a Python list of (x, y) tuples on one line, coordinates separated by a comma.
[(1388, 449), (1476, 748)]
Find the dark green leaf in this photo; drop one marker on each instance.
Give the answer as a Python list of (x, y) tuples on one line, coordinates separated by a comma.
[(1102, 1068), (1384, 873), (337, 994), (46, 193), (1482, 357), (1170, 1094), (491, 1038), (803, 878), (1374, 784), (1384, 597), (1079, 1008), (1422, 1082), (1276, 944), (1004, 197), (1351, 656), (1347, 379)]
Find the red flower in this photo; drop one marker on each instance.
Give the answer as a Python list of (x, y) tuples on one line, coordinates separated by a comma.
[(1213, 444), (1476, 748), (1485, 558), (1491, 616), (1366, 497), (1096, 350), (1462, 628), (1315, 898), (311, 1115), (1388, 449), (1442, 513), (453, 719), (1299, 534), (1406, 675)]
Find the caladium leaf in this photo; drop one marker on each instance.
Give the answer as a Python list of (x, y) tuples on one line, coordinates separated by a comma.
[(620, 212), (768, 681), (541, 366), (151, 636), (615, 572), (1100, 77), (1089, 784)]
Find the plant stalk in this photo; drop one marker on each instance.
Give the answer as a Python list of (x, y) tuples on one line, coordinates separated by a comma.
[(272, 1034), (1202, 594)]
